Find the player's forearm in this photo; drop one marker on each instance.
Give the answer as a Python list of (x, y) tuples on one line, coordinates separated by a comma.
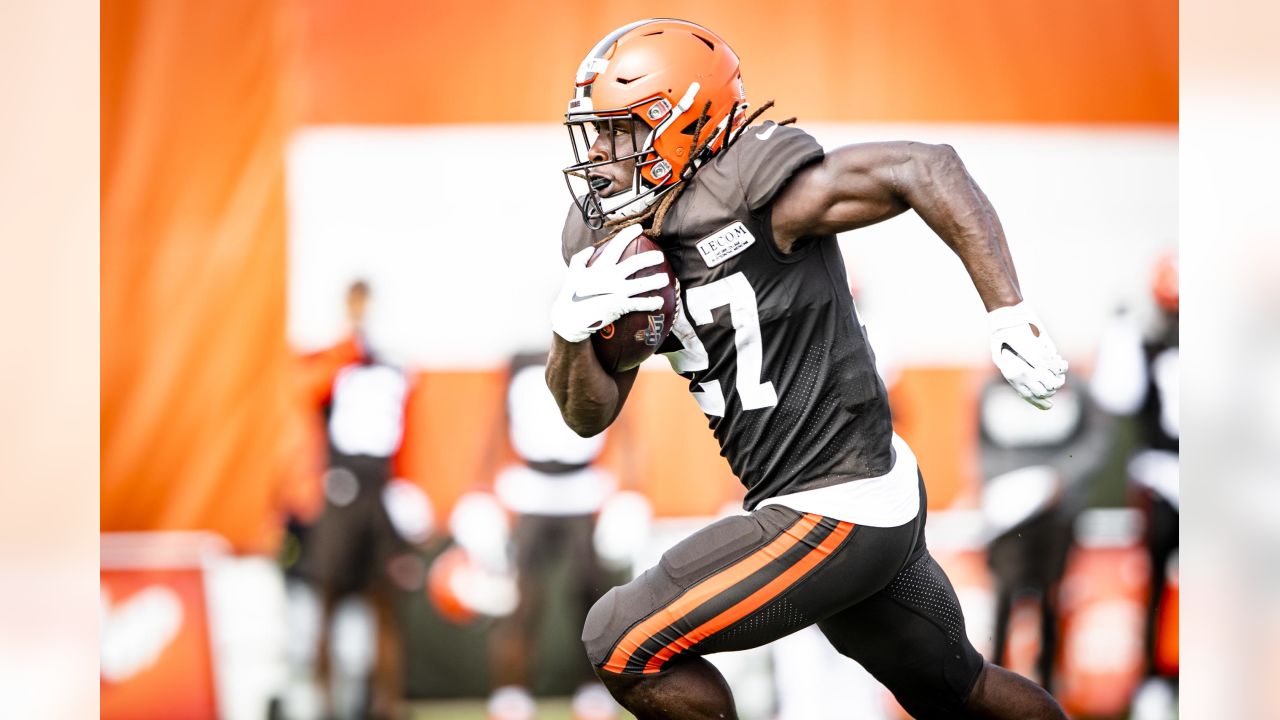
[(940, 190), (588, 397)]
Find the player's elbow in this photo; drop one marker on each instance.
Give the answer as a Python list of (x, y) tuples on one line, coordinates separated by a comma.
[(939, 154), (932, 162), (585, 410), (585, 427), (585, 416), (928, 171), (583, 421)]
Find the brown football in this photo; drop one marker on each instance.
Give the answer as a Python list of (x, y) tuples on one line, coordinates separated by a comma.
[(632, 338)]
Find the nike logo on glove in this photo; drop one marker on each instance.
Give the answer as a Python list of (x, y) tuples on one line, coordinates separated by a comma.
[(579, 298), (1005, 347)]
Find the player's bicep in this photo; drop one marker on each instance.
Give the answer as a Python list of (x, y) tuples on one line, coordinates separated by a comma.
[(852, 187)]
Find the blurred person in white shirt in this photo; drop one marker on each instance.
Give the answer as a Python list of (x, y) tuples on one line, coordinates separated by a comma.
[(1137, 375)]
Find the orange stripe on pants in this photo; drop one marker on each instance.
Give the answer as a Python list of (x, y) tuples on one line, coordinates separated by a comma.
[(706, 590), (754, 601)]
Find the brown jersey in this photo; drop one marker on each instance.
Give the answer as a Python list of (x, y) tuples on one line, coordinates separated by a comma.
[(770, 343)]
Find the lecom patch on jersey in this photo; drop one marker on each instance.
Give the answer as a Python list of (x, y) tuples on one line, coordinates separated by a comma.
[(724, 244)]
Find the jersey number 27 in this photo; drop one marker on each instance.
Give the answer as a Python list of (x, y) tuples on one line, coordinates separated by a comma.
[(736, 292)]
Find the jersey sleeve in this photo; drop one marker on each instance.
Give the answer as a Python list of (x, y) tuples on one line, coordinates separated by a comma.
[(576, 235), (766, 158)]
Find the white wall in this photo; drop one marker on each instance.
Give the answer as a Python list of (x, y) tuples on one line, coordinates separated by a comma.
[(458, 229)]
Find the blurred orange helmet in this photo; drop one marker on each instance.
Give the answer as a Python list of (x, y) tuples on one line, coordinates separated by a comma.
[(661, 72), (1164, 282), (462, 590), (441, 581)]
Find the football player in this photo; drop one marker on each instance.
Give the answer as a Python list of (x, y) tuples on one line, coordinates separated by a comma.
[(766, 333), (554, 495), (1138, 376), (347, 551)]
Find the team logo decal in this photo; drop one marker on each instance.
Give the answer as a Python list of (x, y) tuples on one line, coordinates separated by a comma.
[(650, 335), (659, 109), (725, 243), (606, 332)]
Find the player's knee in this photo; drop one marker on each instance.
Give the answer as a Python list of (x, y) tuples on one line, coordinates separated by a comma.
[(947, 695), (999, 693), (946, 691), (937, 708), (599, 632), (934, 701)]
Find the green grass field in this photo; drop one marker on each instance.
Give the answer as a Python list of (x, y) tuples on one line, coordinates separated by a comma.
[(548, 709)]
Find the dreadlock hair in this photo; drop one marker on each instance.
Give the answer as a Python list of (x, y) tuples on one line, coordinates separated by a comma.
[(659, 211)]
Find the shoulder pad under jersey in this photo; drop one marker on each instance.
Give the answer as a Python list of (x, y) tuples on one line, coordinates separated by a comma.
[(576, 235), (765, 157)]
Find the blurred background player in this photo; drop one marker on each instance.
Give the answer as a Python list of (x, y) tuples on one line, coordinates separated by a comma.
[(1137, 376), (346, 552), (554, 493), (1037, 468)]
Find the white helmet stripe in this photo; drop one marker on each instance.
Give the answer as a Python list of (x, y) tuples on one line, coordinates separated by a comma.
[(681, 107), (587, 69)]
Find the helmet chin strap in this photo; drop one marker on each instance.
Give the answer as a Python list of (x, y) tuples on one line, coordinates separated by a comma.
[(592, 213), (626, 204), (632, 203)]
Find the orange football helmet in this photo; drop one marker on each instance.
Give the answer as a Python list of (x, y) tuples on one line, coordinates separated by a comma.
[(659, 72), (463, 590), (1164, 282)]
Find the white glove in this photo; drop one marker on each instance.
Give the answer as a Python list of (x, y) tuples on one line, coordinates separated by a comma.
[(1030, 362), (594, 296)]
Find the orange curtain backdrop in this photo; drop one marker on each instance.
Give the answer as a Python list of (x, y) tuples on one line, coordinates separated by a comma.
[(1043, 61), (200, 426)]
